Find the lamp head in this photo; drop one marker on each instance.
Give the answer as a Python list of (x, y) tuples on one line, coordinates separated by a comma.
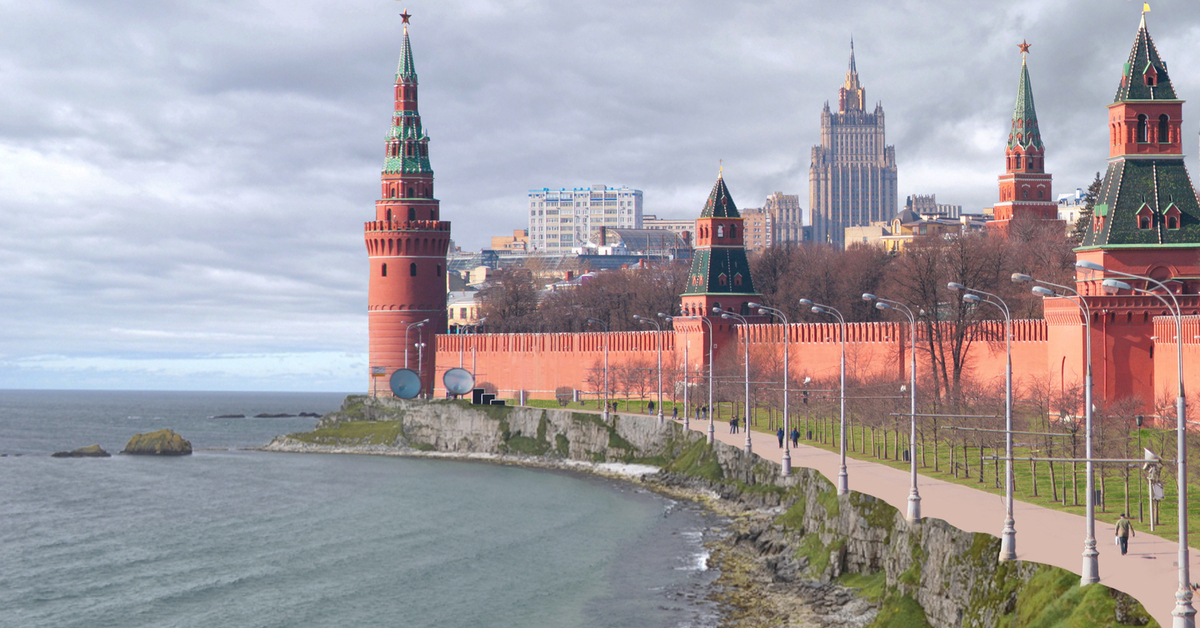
[(880, 305), (1043, 291), (1086, 265), (761, 312), (956, 286), (1113, 286), (663, 315), (1020, 278), (972, 299), (806, 302), (867, 296), (725, 316), (752, 304), (816, 309), (638, 318), (716, 310)]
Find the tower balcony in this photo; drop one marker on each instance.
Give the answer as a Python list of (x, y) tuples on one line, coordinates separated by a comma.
[(407, 225)]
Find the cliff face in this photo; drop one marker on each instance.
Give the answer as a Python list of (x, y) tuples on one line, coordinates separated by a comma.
[(799, 531)]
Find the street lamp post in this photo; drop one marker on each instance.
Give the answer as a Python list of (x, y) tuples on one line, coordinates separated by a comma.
[(914, 497), (605, 326), (711, 367), (843, 486), (687, 423), (1184, 613), (728, 315), (1091, 560), (787, 437), (462, 344), (420, 355), (407, 328), (1008, 538), (659, 339)]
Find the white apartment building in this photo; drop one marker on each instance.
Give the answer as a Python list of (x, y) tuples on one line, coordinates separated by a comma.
[(562, 219)]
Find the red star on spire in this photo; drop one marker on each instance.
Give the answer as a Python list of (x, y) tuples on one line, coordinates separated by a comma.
[(1024, 46), (404, 16)]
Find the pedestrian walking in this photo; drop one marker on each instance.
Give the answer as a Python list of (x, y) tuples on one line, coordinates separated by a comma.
[(733, 425), (779, 435), (651, 406), (795, 437), (1124, 531), (675, 413)]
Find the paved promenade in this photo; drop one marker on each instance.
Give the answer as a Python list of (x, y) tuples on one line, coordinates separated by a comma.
[(1148, 572)]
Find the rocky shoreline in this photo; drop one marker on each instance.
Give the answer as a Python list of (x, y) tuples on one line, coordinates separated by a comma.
[(747, 589), (795, 553)]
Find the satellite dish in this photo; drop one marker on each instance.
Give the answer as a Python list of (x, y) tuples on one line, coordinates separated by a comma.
[(458, 381), (405, 383)]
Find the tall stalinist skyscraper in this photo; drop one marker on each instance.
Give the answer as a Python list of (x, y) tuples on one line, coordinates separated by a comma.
[(852, 179)]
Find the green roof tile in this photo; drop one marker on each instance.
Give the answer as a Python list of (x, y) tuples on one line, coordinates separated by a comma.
[(1024, 131), (1142, 57), (720, 203)]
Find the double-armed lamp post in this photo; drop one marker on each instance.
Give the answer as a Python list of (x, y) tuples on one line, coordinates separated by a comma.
[(1091, 560), (787, 374), (728, 315), (843, 481), (596, 321), (658, 337), (1008, 537), (1184, 613), (914, 497)]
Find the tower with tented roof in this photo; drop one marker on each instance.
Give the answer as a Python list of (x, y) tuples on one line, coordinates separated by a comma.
[(1025, 186), (406, 243)]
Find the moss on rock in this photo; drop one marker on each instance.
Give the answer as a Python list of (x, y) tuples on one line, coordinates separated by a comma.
[(160, 443)]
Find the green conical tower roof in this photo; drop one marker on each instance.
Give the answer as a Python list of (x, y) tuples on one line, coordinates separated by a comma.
[(1143, 60), (1025, 131), (720, 269), (720, 203), (406, 69)]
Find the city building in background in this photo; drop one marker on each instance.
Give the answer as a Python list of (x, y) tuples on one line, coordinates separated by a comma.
[(657, 244), (564, 219), (852, 177), (760, 228), (518, 242), (927, 205), (686, 229), (787, 219), (1025, 190)]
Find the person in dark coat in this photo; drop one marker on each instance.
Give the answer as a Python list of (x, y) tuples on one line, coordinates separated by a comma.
[(1124, 531), (779, 435), (795, 437), (733, 425)]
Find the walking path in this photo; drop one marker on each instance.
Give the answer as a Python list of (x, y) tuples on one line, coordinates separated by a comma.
[(1149, 572)]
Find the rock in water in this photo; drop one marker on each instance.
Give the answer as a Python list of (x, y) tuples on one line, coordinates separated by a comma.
[(160, 443), (91, 451)]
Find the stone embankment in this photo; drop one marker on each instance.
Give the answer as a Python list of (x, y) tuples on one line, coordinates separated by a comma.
[(798, 551)]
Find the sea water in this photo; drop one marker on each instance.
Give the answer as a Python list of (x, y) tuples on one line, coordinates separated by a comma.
[(228, 537)]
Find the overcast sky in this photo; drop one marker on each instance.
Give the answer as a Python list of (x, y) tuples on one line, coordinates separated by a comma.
[(183, 184)]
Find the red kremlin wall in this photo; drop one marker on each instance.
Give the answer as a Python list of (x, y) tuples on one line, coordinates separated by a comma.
[(540, 363)]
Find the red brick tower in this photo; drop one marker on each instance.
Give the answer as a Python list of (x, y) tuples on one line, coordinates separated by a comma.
[(1146, 221), (406, 242), (720, 277), (1025, 185)]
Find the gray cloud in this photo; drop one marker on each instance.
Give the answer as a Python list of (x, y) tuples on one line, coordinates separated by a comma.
[(183, 185)]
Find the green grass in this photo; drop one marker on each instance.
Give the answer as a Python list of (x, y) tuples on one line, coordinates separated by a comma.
[(353, 432), (900, 611), (1113, 485)]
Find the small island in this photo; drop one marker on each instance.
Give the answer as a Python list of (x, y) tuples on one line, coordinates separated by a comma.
[(160, 443), (91, 451)]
